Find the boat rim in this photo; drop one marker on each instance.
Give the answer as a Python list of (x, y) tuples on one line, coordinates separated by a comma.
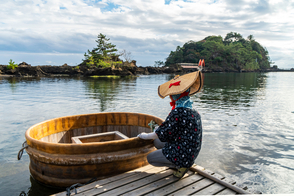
[(33, 141)]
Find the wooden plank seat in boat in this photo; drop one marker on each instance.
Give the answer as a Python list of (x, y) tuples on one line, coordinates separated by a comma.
[(99, 137)]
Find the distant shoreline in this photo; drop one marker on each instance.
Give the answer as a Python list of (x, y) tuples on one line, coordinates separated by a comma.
[(66, 70)]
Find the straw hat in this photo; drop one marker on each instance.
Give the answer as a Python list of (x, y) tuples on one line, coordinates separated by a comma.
[(179, 84)]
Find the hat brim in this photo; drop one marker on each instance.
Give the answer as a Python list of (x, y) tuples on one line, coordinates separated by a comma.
[(192, 80)]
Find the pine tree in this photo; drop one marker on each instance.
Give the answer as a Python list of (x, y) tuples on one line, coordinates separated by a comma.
[(103, 54)]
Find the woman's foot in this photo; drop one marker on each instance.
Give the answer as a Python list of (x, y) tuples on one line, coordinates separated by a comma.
[(180, 172)]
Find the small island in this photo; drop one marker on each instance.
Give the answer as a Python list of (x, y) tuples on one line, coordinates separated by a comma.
[(230, 54)]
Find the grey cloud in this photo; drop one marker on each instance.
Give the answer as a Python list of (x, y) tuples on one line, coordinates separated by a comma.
[(273, 36), (152, 45), (256, 25), (262, 7), (282, 59), (73, 43), (234, 5)]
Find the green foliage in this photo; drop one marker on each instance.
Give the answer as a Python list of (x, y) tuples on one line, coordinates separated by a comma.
[(11, 64), (175, 57), (233, 52), (116, 63), (76, 68), (91, 61), (103, 55), (103, 63)]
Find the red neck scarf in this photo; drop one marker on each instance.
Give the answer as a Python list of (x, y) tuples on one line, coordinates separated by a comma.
[(172, 103)]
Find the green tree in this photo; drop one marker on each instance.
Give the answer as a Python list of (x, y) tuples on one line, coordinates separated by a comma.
[(214, 38), (213, 52), (175, 57), (250, 38), (11, 64), (232, 37), (233, 52), (104, 53)]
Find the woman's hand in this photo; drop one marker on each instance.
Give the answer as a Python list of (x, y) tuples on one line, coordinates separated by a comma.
[(148, 136)]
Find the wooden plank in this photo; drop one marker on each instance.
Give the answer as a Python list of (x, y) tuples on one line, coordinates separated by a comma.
[(150, 180), (58, 125), (134, 131), (75, 132), (76, 140), (193, 187), (227, 191), (95, 129), (144, 129), (224, 183), (121, 135), (61, 137), (229, 181), (142, 182), (99, 137), (190, 67), (211, 190), (244, 187), (89, 130), (112, 185), (110, 128), (99, 129), (128, 131), (83, 131), (167, 185), (124, 130), (91, 120), (153, 186), (108, 180), (218, 176)]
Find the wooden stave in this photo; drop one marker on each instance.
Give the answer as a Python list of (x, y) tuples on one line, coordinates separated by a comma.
[(45, 149)]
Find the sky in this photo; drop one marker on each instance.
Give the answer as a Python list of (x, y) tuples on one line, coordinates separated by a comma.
[(55, 32)]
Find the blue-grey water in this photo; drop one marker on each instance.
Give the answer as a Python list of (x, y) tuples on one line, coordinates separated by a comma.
[(248, 122)]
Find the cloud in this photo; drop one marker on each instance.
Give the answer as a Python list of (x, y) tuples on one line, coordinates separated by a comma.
[(148, 29)]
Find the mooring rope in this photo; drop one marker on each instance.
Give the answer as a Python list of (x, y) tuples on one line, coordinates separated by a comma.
[(21, 151), (74, 186)]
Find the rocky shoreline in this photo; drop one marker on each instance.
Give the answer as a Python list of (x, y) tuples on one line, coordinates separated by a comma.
[(26, 70)]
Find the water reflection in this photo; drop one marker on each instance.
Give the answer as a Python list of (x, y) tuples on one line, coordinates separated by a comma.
[(229, 90), (38, 189), (234, 90), (106, 90)]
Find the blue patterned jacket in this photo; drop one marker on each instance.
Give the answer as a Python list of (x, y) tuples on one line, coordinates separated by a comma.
[(182, 132)]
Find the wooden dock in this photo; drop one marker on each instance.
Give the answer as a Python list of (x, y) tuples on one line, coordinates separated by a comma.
[(190, 66), (150, 180)]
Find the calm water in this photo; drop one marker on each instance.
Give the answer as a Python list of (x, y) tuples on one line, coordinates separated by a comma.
[(248, 122)]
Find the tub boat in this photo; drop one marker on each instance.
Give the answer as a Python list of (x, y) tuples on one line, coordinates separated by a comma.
[(75, 149)]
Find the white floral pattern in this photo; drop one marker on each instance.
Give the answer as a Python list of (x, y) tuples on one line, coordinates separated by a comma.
[(182, 132)]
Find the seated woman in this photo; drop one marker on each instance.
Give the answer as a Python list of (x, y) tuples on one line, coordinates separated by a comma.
[(179, 138)]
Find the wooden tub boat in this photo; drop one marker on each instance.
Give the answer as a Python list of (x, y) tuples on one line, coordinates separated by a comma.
[(75, 149)]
